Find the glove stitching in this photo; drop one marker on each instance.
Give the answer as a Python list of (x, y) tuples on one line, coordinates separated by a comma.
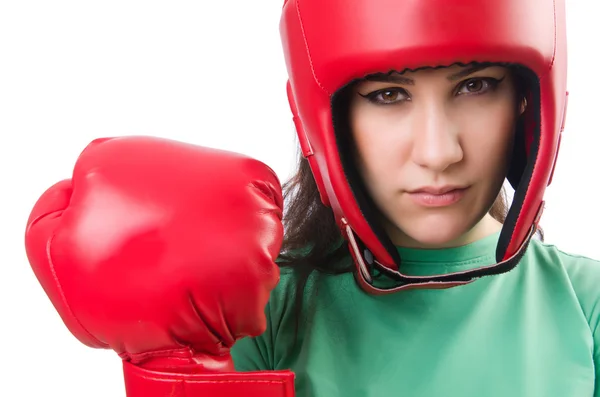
[(218, 381)]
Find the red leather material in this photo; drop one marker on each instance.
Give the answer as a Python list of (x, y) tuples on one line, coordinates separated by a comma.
[(562, 129), (306, 148), (162, 251), (140, 382), (329, 44)]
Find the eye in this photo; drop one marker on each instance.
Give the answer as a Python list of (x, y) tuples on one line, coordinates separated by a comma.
[(476, 86), (387, 96)]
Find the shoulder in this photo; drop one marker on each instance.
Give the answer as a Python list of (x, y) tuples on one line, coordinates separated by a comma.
[(581, 273), (576, 266)]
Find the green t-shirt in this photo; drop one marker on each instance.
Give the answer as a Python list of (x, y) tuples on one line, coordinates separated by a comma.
[(531, 332)]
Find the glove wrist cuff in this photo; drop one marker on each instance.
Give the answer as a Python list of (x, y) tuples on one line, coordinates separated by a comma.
[(142, 382)]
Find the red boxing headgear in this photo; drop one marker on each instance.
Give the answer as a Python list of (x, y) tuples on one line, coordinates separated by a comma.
[(330, 43)]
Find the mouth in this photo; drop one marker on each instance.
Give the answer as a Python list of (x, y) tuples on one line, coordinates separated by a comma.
[(438, 196)]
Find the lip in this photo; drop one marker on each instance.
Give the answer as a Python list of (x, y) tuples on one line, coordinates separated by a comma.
[(437, 196)]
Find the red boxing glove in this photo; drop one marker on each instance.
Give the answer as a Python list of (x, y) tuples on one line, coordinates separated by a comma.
[(164, 252)]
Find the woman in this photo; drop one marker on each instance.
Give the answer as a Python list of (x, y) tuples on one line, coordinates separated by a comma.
[(403, 270)]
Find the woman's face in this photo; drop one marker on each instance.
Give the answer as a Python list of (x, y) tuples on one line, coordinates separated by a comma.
[(433, 148)]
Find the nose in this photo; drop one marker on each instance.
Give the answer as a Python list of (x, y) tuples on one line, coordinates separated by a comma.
[(436, 144)]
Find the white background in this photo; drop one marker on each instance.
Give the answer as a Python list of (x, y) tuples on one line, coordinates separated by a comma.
[(207, 72)]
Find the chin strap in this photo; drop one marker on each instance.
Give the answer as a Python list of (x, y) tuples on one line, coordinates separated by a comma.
[(366, 265)]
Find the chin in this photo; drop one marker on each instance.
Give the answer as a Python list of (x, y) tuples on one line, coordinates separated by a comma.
[(433, 232)]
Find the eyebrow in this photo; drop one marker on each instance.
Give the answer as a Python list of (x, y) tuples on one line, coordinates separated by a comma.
[(395, 77)]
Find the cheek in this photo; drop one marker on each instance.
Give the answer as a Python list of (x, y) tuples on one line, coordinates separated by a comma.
[(381, 140), (487, 136)]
